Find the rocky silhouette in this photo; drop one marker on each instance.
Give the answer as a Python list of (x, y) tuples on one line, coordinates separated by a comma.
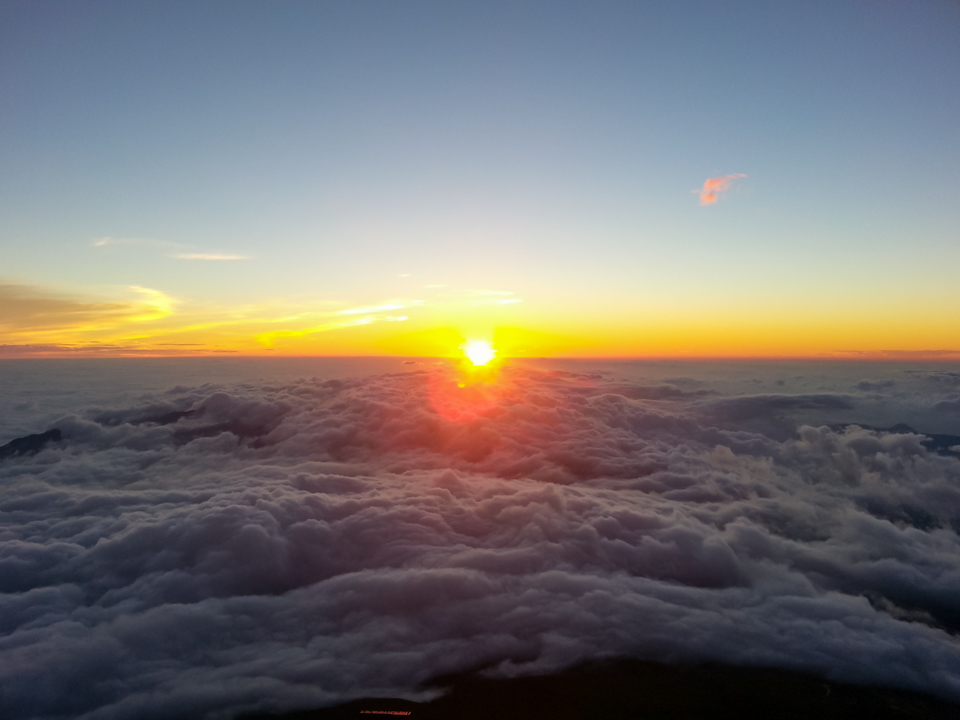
[(29, 444)]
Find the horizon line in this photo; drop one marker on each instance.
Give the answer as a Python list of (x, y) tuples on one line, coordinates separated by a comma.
[(227, 355)]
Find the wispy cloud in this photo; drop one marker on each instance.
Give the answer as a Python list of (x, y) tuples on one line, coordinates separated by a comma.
[(97, 349), (369, 315), (912, 355), (182, 251), (37, 321), (712, 187), (210, 256), (37, 314), (377, 308), (493, 297), (104, 241)]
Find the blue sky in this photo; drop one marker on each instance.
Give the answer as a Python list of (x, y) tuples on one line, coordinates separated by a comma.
[(551, 150)]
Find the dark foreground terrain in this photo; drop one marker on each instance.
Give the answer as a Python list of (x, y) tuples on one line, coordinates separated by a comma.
[(631, 689)]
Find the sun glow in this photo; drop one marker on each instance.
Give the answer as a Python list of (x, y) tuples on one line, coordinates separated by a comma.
[(479, 352), (470, 388)]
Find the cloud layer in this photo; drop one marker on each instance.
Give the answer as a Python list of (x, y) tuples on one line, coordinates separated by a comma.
[(221, 549)]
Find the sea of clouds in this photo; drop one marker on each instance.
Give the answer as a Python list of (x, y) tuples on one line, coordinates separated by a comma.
[(236, 546)]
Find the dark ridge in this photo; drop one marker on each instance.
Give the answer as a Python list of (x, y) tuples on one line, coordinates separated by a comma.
[(237, 428), (746, 407), (29, 445), (868, 386), (653, 392), (900, 512), (900, 603), (634, 689), (906, 614), (134, 417), (934, 442), (170, 417)]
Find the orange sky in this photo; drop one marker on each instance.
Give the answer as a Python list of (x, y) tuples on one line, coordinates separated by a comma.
[(139, 321)]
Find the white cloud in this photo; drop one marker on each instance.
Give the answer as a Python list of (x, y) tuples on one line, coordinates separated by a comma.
[(105, 241), (233, 548)]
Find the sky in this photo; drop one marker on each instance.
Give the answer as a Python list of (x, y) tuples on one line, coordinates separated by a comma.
[(612, 179)]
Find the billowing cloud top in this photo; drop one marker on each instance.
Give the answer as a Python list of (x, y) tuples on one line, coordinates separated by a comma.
[(240, 547)]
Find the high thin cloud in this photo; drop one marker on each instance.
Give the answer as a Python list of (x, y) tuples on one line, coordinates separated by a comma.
[(136, 321), (29, 312), (106, 241), (712, 187), (913, 355), (210, 256), (37, 321), (234, 548)]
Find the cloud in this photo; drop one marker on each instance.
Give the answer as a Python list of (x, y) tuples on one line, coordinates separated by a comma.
[(28, 311), (868, 386), (712, 187), (937, 376), (104, 241), (909, 355), (98, 349), (59, 350), (375, 309), (950, 405), (210, 256), (235, 547), (369, 315), (43, 322)]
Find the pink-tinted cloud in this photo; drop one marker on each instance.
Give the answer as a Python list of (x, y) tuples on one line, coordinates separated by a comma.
[(712, 187)]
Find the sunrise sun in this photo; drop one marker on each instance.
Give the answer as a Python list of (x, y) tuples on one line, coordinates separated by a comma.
[(479, 352)]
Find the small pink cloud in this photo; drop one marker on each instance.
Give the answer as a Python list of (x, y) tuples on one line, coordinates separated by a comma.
[(712, 187)]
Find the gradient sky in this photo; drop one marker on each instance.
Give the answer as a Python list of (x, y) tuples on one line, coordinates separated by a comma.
[(377, 177)]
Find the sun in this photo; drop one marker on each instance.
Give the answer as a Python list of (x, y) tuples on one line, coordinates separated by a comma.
[(479, 352)]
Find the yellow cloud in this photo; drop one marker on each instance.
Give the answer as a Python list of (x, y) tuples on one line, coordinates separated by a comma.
[(144, 321), (29, 312)]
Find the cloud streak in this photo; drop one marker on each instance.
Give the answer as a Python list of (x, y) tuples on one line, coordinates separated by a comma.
[(31, 313), (140, 321), (242, 548), (43, 322), (210, 256), (105, 241), (713, 187), (110, 241)]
